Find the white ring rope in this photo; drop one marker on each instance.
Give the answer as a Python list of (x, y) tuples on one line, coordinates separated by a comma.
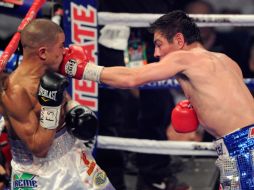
[(202, 20), (157, 147)]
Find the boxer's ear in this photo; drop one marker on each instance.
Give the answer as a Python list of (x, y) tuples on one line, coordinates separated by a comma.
[(42, 53), (179, 40)]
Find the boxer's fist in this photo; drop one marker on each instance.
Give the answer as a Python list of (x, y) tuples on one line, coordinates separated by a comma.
[(74, 62), (184, 118), (76, 65), (81, 122), (50, 96), (51, 89)]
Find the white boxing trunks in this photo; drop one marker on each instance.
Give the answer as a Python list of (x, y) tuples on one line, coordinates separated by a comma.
[(68, 166), (236, 159)]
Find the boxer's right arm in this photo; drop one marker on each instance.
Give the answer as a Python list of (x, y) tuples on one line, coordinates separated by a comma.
[(24, 120)]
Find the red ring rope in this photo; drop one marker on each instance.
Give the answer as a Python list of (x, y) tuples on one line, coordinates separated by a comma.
[(13, 44)]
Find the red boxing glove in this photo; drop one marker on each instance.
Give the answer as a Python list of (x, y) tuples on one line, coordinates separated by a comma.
[(184, 118), (76, 65), (74, 62)]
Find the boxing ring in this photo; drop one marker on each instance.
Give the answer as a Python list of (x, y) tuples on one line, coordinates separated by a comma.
[(143, 20)]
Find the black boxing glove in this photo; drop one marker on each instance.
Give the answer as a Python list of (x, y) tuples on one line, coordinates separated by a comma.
[(81, 121), (50, 96)]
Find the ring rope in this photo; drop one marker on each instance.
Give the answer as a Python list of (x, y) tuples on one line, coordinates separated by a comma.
[(202, 20), (13, 44), (157, 147)]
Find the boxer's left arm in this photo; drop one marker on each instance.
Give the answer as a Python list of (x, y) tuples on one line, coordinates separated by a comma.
[(81, 121)]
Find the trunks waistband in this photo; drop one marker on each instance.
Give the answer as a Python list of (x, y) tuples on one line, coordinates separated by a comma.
[(236, 143), (62, 143)]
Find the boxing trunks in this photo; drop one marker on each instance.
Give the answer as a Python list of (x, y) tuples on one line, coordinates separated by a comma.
[(68, 166), (236, 159)]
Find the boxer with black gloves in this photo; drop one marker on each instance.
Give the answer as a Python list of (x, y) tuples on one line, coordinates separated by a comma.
[(81, 121), (33, 103), (50, 96)]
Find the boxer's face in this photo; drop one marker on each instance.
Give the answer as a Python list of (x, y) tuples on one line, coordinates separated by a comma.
[(57, 52), (162, 46)]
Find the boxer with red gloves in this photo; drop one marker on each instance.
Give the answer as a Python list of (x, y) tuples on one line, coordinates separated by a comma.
[(184, 118), (76, 65)]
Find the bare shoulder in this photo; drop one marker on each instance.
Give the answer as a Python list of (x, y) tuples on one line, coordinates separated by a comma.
[(221, 55), (226, 59), (185, 57), (229, 62), (16, 101), (179, 56), (15, 91)]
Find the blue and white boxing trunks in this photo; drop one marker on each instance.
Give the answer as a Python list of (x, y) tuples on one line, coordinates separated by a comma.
[(236, 159)]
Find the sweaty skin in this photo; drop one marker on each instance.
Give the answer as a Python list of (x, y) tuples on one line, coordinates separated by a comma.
[(19, 103), (211, 81)]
